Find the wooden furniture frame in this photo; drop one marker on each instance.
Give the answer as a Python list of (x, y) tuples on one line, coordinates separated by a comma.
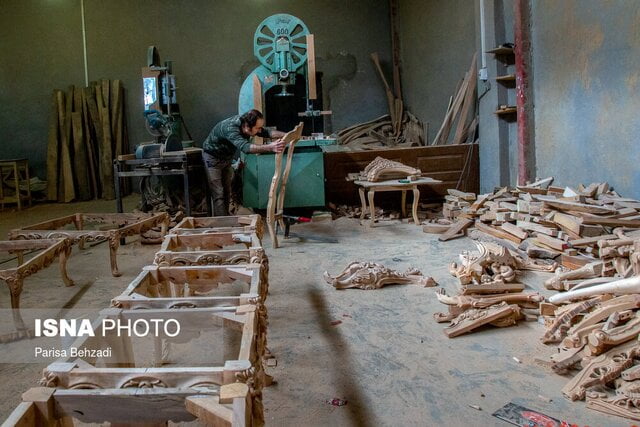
[(115, 390), (128, 224), (368, 190), (187, 287), (214, 249), (218, 224), (14, 277), (17, 167), (277, 191), (227, 395)]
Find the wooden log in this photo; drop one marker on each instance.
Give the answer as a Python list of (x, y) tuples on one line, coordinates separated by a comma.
[(53, 148)]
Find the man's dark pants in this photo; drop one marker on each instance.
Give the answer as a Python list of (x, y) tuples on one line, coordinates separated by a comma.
[(219, 175)]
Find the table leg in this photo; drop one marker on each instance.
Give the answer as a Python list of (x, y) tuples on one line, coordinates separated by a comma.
[(364, 203), (372, 208), (404, 203), (416, 200)]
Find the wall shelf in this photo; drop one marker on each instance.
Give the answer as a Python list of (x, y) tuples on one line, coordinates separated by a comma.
[(501, 51), (506, 111)]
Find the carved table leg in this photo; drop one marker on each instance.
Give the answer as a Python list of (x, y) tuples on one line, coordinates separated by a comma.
[(416, 200), (404, 203), (114, 244), (372, 208), (15, 289), (20, 256), (364, 203), (63, 257)]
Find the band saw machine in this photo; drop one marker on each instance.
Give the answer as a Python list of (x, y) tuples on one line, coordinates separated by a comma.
[(287, 89)]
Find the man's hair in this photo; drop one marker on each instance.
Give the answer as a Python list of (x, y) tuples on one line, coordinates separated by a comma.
[(250, 118)]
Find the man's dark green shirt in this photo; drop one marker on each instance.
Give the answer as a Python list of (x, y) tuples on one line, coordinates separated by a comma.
[(226, 139)]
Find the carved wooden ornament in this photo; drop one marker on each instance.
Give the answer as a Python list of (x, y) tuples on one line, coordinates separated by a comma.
[(370, 275)]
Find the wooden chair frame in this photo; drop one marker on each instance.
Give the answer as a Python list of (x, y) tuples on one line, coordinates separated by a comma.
[(277, 191)]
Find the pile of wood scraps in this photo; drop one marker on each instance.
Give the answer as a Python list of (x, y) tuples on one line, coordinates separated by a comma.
[(399, 128), (87, 130), (589, 237), (462, 107)]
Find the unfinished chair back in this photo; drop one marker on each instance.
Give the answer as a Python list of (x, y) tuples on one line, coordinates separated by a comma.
[(275, 205)]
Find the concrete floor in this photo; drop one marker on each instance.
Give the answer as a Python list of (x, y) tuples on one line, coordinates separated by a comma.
[(388, 358)]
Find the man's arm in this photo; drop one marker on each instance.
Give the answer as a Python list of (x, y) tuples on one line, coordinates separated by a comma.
[(275, 147)]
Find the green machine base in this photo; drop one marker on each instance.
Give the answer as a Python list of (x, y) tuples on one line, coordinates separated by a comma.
[(305, 187)]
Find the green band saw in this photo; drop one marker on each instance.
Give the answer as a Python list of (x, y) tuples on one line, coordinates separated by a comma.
[(285, 49)]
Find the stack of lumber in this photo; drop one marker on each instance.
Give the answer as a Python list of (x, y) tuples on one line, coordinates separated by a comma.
[(87, 130), (461, 108)]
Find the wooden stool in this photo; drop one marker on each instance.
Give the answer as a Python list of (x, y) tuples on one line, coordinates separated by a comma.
[(16, 170)]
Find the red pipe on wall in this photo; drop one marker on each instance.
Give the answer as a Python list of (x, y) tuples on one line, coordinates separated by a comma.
[(522, 56)]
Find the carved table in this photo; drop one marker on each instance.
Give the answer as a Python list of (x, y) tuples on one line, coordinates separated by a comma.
[(368, 190), (14, 277), (124, 225)]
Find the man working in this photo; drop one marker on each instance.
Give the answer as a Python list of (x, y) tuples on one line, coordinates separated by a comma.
[(225, 141)]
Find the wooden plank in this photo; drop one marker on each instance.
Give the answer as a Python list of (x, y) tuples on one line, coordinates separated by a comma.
[(117, 93), (569, 222), (80, 158), (53, 147), (67, 187), (469, 101), (23, 416), (590, 241), (106, 156), (456, 230), (578, 207), (531, 226), (552, 242), (257, 104), (515, 230), (461, 194), (496, 232), (92, 167), (311, 67), (610, 222)]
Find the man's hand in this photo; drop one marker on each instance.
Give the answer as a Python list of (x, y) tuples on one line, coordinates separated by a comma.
[(277, 146)]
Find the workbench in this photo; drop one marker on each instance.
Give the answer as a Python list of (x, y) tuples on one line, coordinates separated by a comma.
[(170, 164), (367, 190)]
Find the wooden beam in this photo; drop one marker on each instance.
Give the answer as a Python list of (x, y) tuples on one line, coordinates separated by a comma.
[(311, 67)]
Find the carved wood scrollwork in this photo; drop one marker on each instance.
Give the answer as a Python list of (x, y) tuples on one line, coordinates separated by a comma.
[(370, 275)]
